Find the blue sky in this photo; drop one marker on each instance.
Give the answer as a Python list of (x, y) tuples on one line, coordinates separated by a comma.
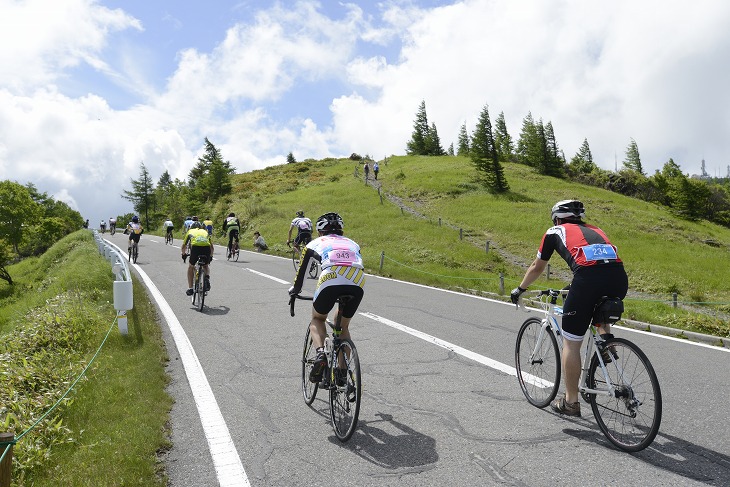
[(90, 89)]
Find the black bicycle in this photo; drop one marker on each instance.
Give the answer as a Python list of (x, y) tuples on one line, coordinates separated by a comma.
[(341, 376), (168, 238), (133, 252), (199, 291), (296, 255)]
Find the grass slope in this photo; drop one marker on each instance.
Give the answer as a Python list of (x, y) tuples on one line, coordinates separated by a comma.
[(111, 426), (662, 254)]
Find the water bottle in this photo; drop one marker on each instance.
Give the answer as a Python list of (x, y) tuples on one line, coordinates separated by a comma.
[(328, 346)]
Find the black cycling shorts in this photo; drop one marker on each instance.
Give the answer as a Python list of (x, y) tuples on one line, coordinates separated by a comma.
[(135, 237), (303, 238), (328, 296), (589, 285), (198, 250)]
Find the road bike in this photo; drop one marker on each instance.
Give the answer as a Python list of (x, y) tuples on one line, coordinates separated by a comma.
[(341, 376), (112, 229), (234, 251), (132, 251), (199, 290), (296, 256), (617, 379), (168, 238)]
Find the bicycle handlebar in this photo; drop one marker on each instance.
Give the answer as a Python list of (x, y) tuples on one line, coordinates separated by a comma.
[(294, 297)]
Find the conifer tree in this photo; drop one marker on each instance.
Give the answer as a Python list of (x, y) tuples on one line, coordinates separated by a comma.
[(633, 160), (502, 139), (433, 142), (417, 144), (142, 194), (463, 142), (529, 145), (484, 155)]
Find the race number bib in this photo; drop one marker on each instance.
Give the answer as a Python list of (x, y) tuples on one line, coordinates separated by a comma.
[(599, 252), (342, 256)]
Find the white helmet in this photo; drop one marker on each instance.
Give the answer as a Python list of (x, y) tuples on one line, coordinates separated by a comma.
[(568, 209)]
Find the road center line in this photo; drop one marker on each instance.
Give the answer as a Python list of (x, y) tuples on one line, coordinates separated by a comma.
[(507, 369)]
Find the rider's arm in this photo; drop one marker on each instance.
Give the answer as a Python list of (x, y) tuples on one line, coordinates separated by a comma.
[(288, 238), (183, 247), (307, 254), (533, 272)]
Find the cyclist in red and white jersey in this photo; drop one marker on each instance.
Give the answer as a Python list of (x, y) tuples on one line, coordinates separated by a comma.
[(597, 271), (342, 274)]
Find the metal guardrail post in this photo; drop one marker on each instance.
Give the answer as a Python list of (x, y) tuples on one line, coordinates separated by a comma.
[(382, 258), (501, 284), (123, 288), (674, 300)]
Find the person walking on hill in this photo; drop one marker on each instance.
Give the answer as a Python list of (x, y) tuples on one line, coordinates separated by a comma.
[(367, 170), (597, 272), (376, 169)]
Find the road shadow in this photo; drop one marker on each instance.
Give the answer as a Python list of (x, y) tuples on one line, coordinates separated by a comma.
[(215, 310), (675, 455), (394, 446)]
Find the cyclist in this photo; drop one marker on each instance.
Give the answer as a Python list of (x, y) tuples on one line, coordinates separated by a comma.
[(208, 225), (186, 224), (597, 271), (102, 226), (232, 227), (200, 245), (304, 230), (168, 226), (135, 231), (342, 274), (112, 225)]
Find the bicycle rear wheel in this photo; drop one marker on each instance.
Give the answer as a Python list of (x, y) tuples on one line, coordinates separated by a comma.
[(201, 290), (630, 416), (236, 251), (309, 389), (345, 393), (538, 368), (135, 253)]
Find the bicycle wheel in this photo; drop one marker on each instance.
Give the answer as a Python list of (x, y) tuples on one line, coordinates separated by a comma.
[(201, 290), (194, 298), (538, 369), (345, 394), (631, 414), (313, 269), (135, 253), (236, 251), (309, 389), (295, 259)]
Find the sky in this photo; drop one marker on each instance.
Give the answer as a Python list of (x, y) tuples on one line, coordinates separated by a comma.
[(90, 89)]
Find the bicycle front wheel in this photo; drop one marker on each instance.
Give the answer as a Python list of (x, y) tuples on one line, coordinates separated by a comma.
[(537, 360), (309, 388), (346, 390), (313, 269), (630, 413)]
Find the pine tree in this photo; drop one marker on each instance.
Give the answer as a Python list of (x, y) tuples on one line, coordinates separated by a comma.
[(633, 161), (484, 155), (290, 158), (463, 143), (502, 139), (450, 150), (433, 142), (582, 161), (555, 161), (210, 177), (142, 195), (417, 145), (529, 145)]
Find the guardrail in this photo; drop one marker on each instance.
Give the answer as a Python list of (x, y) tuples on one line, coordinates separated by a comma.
[(123, 295)]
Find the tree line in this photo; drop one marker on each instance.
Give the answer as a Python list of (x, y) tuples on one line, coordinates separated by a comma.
[(692, 198), (30, 222), (207, 182)]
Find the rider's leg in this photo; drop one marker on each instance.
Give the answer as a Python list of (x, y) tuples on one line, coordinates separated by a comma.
[(318, 329), (571, 368), (191, 274)]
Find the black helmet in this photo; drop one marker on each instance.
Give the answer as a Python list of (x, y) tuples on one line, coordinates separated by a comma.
[(231, 214), (300, 213), (195, 218), (568, 209), (329, 222)]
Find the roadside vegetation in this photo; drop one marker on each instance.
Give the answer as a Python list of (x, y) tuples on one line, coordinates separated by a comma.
[(109, 429)]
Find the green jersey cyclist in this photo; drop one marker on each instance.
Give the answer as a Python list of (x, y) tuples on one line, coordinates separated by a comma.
[(232, 226), (201, 245)]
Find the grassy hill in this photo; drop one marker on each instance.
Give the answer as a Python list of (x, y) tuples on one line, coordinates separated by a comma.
[(413, 216)]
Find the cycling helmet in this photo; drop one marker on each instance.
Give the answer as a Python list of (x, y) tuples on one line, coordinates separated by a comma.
[(195, 218), (300, 213), (568, 209), (329, 222), (231, 214), (135, 219)]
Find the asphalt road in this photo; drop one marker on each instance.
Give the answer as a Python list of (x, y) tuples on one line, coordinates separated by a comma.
[(429, 416)]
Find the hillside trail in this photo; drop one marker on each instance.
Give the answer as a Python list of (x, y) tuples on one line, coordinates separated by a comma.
[(480, 239)]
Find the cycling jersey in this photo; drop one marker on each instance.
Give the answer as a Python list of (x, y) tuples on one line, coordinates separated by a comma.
[(230, 224), (186, 225), (168, 224), (339, 258), (135, 228), (579, 244), (303, 224), (198, 237)]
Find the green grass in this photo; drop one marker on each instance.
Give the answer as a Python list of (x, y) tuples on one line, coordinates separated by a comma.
[(111, 426), (662, 254)]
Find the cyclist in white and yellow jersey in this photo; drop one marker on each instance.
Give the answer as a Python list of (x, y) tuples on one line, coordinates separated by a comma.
[(342, 274), (135, 231)]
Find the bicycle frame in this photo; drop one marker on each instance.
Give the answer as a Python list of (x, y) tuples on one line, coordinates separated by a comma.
[(548, 301)]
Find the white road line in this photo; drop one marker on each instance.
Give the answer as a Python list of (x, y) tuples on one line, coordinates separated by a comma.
[(507, 369), (280, 281), (226, 461)]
